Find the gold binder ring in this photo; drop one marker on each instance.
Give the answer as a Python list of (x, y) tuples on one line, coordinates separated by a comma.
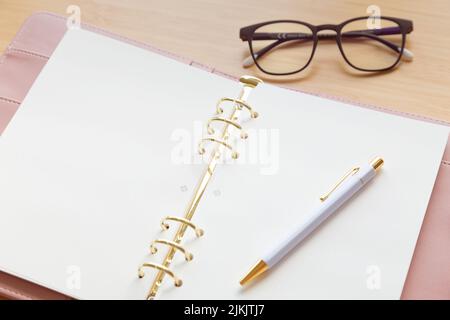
[(240, 104), (201, 149), (177, 281), (211, 130), (187, 255), (165, 226)]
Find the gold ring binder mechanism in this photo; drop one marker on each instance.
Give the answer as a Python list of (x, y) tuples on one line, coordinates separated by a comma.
[(248, 83)]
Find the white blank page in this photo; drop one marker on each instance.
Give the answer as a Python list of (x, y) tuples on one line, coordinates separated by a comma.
[(87, 171)]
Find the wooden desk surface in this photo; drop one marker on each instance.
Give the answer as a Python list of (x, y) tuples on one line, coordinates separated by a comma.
[(207, 32)]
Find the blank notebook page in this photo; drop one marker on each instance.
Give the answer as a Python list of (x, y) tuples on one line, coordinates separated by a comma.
[(104, 146)]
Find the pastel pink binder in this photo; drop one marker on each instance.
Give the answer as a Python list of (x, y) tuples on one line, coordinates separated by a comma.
[(429, 272)]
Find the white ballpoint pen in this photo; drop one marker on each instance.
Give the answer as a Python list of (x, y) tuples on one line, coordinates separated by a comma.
[(347, 186)]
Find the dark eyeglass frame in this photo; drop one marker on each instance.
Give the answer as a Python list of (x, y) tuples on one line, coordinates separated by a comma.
[(404, 27)]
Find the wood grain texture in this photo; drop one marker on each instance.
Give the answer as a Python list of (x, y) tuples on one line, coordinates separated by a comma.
[(207, 32)]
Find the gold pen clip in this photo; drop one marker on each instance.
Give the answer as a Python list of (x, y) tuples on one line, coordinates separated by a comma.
[(348, 174)]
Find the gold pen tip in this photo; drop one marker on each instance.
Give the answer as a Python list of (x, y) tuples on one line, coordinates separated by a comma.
[(259, 268), (377, 163)]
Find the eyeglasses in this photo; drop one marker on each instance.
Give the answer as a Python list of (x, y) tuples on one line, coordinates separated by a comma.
[(285, 47)]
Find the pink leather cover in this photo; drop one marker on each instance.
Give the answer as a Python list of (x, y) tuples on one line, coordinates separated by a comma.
[(429, 273)]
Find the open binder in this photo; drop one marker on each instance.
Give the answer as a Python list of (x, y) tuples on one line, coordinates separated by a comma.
[(427, 278), (219, 137)]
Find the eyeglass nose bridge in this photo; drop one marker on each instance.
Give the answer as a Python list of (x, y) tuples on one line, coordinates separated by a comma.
[(328, 35), (332, 27)]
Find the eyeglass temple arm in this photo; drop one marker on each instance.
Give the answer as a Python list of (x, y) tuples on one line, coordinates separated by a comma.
[(284, 37), (374, 33), (357, 34)]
